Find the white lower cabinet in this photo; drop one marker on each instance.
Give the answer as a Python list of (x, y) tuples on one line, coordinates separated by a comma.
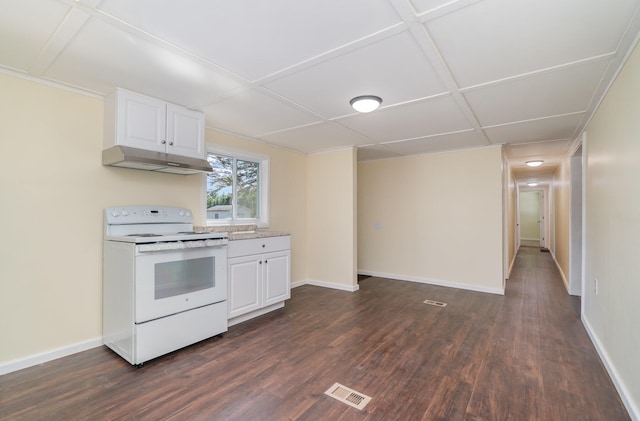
[(259, 276)]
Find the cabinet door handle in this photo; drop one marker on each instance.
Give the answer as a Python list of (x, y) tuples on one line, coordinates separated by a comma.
[(265, 262), (260, 262), (163, 142), (170, 143)]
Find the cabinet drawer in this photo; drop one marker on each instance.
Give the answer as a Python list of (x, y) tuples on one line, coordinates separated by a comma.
[(258, 246)]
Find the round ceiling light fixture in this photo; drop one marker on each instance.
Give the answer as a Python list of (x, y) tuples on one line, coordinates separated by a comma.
[(535, 163), (366, 103), (532, 184)]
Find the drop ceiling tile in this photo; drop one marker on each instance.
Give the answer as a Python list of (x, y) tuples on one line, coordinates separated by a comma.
[(316, 138), (394, 69), (102, 57), (254, 38), (252, 113), (448, 142), (537, 150), (553, 128), (551, 152), (25, 28), (542, 176), (490, 40), (422, 6), (558, 92), (375, 152), (419, 119)]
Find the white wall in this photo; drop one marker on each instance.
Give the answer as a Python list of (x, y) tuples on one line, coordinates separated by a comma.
[(613, 231), (434, 218)]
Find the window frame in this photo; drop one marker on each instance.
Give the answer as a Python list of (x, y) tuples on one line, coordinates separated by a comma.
[(263, 188)]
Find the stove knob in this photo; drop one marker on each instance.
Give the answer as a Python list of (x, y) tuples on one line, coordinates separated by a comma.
[(181, 212), (188, 213), (125, 213), (115, 213)]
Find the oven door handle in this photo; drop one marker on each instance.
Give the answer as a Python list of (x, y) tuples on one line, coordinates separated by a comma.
[(179, 245)]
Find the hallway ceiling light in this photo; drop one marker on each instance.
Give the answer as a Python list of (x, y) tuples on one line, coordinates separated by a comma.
[(535, 163), (532, 184), (366, 103)]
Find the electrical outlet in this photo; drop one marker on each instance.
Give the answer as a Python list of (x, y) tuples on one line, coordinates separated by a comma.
[(595, 286)]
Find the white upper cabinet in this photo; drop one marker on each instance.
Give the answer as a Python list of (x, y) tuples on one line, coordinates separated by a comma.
[(185, 131), (147, 123)]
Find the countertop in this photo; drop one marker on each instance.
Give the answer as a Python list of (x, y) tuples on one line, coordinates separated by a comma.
[(242, 232), (255, 234)]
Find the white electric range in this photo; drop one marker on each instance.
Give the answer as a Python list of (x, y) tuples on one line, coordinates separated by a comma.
[(165, 286)]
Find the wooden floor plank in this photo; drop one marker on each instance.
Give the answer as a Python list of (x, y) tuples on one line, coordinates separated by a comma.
[(521, 356)]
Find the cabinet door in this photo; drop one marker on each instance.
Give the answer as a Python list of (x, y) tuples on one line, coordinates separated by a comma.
[(185, 132), (141, 122), (244, 274), (277, 278)]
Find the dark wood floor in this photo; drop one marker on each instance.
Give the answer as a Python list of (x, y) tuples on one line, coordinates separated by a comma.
[(522, 356)]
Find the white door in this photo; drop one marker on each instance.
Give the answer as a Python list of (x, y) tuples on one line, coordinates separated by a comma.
[(530, 217), (185, 132), (277, 278), (141, 122), (245, 274)]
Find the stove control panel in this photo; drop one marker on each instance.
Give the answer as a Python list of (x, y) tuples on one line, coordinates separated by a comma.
[(147, 215)]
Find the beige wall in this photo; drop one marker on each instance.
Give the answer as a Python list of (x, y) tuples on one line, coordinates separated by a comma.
[(54, 189), (331, 216), (434, 218), (511, 191), (51, 272), (612, 229), (561, 192)]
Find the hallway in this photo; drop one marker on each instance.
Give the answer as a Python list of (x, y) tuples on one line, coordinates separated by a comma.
[(541, 345), (522, 356)]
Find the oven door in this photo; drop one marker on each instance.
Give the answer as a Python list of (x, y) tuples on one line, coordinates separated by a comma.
[(172, 281)]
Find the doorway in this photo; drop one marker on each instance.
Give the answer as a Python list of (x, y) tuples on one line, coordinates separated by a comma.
[(531, 218)]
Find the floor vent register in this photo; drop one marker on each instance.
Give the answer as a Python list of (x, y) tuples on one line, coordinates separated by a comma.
[(435, 303), (348, 396)]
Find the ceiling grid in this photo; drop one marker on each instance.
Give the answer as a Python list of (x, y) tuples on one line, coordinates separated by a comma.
[(452, 74)]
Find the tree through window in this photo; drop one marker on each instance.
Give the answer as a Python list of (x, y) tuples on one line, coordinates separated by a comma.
[(233, 189)]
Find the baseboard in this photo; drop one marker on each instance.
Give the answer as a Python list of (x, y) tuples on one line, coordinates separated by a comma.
[(341, 287), (392, 276), (565, 281), (625, 396), (298, 284), (44, 357), (513, 262), (253, 314)]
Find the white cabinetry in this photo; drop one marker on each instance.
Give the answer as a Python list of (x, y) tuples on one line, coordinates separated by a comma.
[(259, 276), (147, 123)]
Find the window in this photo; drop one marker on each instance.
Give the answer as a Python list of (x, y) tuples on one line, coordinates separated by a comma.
[(236, 189)]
